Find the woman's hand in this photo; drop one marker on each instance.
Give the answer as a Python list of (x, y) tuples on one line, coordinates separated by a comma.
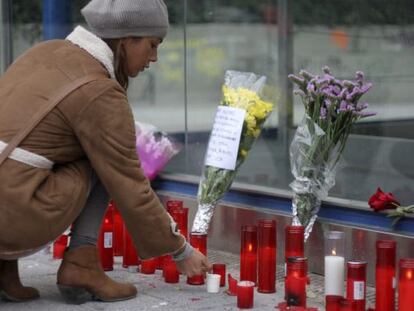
[(196, 264)]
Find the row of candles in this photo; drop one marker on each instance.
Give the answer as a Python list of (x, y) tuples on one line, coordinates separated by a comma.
[(258, 260), (114, 240), (385, 277), (261, 241), (258, 264)]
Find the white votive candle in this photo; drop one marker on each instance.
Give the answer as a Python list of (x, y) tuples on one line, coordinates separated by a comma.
[(334, 275), (213, 283)]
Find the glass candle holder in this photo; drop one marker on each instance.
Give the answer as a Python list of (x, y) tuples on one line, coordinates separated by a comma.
[(130, 257), (406, 285), (295, 281), (105, 241), (294, 241), (170, 271), (118, 231), (174, 205), (385, 282), (220, 268), (199, 242), (232, 290), (266, 256), (248, 253), (213, 283), (356, 283), (160, 262), (148, 266), (180, 216), (334, 263), (59, 246), (332, 303), (245, 294)]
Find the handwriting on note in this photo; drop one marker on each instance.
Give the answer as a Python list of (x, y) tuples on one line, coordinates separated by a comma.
[(225, 138)]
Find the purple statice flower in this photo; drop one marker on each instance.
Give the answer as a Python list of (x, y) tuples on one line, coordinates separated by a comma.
[(359, 77), (326, 70), (329, 93), (335, 89), (308, 76), (349, 84), (322, 115), (311, 87), (298, 80), (360, 107), (300, 93), (350, 107), (365, 87), (325, 79), (327, 102), (343, 106), (356, 91), (343, 93), (338, 83)]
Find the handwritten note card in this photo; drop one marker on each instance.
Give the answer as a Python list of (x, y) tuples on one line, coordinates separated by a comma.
[(225, 138)]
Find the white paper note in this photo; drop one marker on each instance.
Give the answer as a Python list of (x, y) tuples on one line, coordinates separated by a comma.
[(225, 138)]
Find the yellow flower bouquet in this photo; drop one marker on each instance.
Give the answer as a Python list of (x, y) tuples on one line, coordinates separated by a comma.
[(238, 122)]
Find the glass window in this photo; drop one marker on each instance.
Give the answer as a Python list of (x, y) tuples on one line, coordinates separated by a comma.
[(180, 93)]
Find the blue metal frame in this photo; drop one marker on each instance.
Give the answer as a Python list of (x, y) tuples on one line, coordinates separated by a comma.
[(334, 214), (57, 19)]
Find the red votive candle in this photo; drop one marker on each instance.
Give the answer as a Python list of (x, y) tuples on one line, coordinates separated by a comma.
[(267, 256), (248, 253), (220, 268), (332, 302), (356, 283), (174, 205), (118, 231), (59, 246), (294, 241), (180, 216), (245, 294), (170, 272), (347, 305), (130, 257), (385, 275), (232, 290), (295, 281), (406, 285), (160, 261), (148, 266), (199, 242), (105, 245)]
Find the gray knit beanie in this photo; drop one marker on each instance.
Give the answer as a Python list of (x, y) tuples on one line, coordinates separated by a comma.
[(127, 18)]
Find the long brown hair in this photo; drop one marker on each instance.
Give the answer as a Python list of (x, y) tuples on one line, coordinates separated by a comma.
[(120, 61)]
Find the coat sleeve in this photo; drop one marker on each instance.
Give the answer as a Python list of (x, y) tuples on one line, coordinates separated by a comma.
[(106, 131)]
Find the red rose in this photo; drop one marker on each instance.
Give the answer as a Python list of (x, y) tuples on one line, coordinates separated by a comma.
[(382, 200)]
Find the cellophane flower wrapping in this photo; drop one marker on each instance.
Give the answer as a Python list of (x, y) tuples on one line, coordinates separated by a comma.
[(331, 108), (242, 95), (155, 148)]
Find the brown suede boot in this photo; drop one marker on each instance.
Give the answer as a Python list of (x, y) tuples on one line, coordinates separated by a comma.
[(81, 278), (10, 286)]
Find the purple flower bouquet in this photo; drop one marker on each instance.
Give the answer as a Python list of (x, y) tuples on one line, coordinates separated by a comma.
[(331, 107), (154, 148)]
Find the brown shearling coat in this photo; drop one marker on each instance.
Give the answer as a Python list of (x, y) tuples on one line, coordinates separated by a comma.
[(91, 128)]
